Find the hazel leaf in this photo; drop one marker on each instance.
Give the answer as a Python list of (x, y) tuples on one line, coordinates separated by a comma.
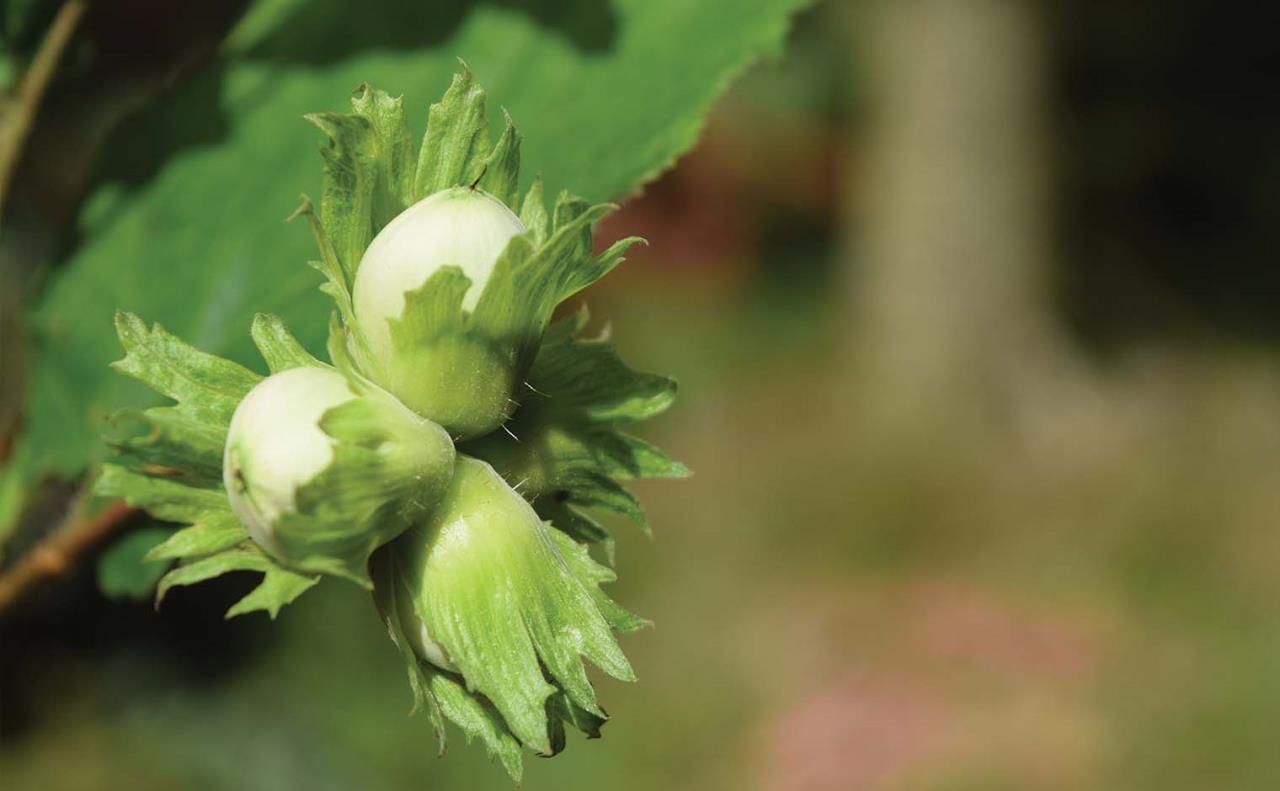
[(126, 569), (278, 346), (167, 442), (393, 155), (279, 585), (589, 115), (478, 719), (456, 146), (442, 695), (350, 178), (163, 498), (214, 544), (528, 283), (533, 213), (592, 575), (169, 459), (205, 386), (489, 585), (567, 448), (501, 176), (215, 532)]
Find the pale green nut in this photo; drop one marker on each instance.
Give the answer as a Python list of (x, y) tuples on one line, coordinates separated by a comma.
[(485, 591), (461, 382), (321, 475), (275, 445)]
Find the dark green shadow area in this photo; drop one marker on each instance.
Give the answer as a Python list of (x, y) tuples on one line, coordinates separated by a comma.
[(318, 33)]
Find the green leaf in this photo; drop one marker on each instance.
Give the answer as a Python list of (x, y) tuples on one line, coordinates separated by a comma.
[(346, 202), (513, 614), (215, 532), (170, 460), (588, 373), (206, 387), (127, 570), (501, 177), (433, 312), (279, 586), (560, 709), (166, 442), (163, 498), (527, 284), (13, 494), (393, 189), (386, 585), (184, 440), (441, 694), (457, 141), (201, 247), (567, 449), (533, 213), (478, 719), (592, 575), (573, 522), (214, 545), (278, 346), (347, 346)]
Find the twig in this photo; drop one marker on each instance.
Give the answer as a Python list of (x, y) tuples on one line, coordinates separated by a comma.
[(54, 554), (58, 552), (20, 116)]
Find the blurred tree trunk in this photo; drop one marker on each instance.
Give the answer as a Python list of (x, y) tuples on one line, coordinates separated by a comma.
[(949, 248)]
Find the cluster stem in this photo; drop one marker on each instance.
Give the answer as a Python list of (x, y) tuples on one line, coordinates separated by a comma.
[(58, 552)]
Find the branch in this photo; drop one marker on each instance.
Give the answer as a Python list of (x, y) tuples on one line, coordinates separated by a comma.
[(58, 552), (21, 115)]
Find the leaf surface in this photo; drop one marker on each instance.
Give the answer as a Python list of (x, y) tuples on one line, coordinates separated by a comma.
[(606, 97)]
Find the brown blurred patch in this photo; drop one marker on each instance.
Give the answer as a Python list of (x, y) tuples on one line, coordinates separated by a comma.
[(708, 216), (858, 732), (965, 627), (931, 681)]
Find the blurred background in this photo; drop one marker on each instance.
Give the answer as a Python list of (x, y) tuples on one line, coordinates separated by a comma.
[(973, 304)]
